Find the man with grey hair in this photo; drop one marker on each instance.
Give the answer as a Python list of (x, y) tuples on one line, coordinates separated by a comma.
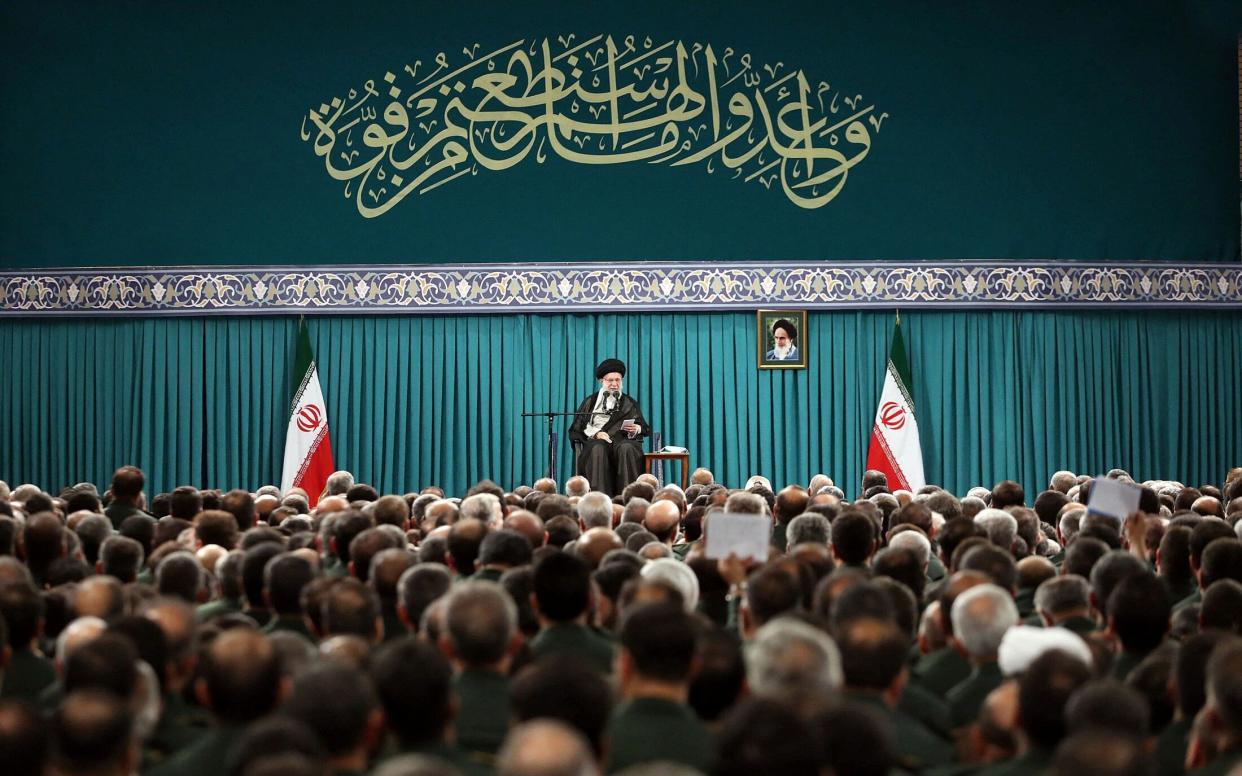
[(635, 510), (485, 508), (1062, 481), (1069, 525), (480, 637), (594, 511), (577, 485), (1000, 526), (916, 542), (808, 527), (1065, 601), (791, 661), (75, 634), (980, 616), (339, 483), (546, 747), (746, 503)]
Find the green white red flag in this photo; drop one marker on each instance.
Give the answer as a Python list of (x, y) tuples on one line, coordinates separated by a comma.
[(308, 447), (894, 447)]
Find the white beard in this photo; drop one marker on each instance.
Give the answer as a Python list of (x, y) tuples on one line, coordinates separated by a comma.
[(782, 352)]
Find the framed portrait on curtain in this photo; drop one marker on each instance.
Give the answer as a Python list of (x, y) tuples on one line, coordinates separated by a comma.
[(781, 339)]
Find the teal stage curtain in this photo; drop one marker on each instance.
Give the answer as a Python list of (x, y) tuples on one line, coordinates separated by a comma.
[(416, 400)]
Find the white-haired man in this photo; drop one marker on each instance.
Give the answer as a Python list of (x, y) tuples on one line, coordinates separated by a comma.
[(981, 616)]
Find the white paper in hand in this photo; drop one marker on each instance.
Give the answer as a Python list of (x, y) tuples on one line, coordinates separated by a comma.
[(745, 536), (1113, 498)]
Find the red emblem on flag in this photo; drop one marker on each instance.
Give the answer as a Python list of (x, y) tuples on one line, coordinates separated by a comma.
[(309, 418), (892, 415)]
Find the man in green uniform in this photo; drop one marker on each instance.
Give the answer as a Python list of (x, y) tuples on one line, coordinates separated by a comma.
[(229, 577), (562, 602), (980, 617), (284, 577), (28, 673), (181, 723), (337, 703), (653, 722), (1224, 708), (414, 682), (1064, 601), (1043, 691), (1189, 696), (480, 638), (941, 670), (240, 684), (1033, 571), (873, 660), (127, 498), (1138, 614), (790, 502), (500, 551)]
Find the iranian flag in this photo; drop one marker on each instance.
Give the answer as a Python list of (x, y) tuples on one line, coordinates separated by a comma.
[(894, 447), (308, 448)]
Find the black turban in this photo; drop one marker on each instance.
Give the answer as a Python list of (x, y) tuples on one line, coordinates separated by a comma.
[(783, 323), (608, 366)]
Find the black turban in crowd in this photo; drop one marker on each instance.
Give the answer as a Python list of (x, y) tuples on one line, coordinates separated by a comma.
[(608, 366)]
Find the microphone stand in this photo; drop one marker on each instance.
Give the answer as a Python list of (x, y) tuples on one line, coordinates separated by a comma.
[(551, 418)]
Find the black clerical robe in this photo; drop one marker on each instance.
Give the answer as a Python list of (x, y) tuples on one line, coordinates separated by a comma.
[(609, 467)]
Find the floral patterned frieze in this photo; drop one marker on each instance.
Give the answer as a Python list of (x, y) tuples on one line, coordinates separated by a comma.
[(534, 287)]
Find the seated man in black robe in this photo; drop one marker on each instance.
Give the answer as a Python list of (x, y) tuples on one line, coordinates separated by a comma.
[(610, 429)]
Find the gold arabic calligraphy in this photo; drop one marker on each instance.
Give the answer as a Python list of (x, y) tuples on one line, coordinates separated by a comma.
[(593, 102)]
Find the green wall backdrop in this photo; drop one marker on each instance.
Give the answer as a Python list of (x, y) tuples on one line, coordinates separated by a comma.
[(158, 132), (418, 400)]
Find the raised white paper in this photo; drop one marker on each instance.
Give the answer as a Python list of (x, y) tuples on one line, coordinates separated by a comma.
[(745, 536), (1113, 498)]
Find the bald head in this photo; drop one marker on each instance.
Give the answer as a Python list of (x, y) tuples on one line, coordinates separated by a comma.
[(75, 634), (791, 502), (662, 519), (546, 747), (545, 485), (593, 545), (958, 583), (577, 486), (177, 621), (99, 596), (241, 676), (439, 513), (528, 525), (1207, 505), (92, 733), (210, 555), (701, 476), (331, 504)]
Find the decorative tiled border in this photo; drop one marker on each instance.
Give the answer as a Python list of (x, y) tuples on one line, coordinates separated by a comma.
[(491, 288)]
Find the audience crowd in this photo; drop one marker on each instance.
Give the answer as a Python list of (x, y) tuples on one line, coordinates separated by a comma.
[(558, 631)]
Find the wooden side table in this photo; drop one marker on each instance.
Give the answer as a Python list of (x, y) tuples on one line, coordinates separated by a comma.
[(683, 458)]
